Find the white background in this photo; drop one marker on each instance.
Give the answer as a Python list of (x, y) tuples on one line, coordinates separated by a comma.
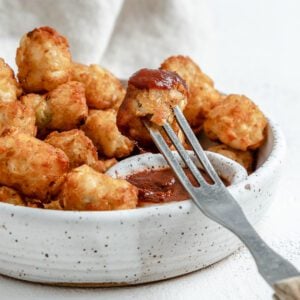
[(257, 53)]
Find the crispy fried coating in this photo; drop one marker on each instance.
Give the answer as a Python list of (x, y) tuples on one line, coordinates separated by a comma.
[(9, 195), (102, 165), (237, 122), (150, 94), (29, 165), (64, 108), (34, 203), (102, 129), (39, 105), (244, 158), (103, 90), (86, 189), (77, 146), (43, 59), (17, 115), (106, 164), (67, 104), (80, 72), (53, 205), (202, 94), (10, 89)]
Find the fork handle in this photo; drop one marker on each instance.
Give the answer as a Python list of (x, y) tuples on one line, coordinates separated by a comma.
[(273, 267), (287, 289), (277, 271), (270, 264)]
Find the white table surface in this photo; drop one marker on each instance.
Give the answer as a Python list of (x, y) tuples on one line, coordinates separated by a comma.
[(257, 54)]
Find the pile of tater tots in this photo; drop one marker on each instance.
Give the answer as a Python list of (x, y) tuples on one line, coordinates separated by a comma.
[(63, 124)]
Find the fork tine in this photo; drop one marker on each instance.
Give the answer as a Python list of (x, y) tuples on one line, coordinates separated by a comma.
[(185, 127), (183, 154), (171, 159)]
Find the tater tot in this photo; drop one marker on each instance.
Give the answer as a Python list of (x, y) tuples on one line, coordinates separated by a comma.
[(80, 72), (102, 165), (106, 164), (202, 94), (237, 122), (9, 195), (17, 115), (150, 94), (77, 146), (86, 189), (102, 129), (64, 108), (55, 205), (29, 165), (34, 203), (43, 59), (67, 104), (39, 105), (244, 158), (9, 88), (103, 90)]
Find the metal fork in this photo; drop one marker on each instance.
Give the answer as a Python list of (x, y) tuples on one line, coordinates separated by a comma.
[(217, 203)]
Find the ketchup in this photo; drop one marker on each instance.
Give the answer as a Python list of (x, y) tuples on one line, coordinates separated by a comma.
[(161, 186), (156, 79)]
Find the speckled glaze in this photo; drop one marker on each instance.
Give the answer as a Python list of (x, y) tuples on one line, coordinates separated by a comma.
[(130, 246)]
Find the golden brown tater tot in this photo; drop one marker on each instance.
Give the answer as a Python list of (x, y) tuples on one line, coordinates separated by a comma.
[(39, 105), (29, 165), (103, 90), (77, 146), (102, 129), (237, 122), (150, 94), (43, 59), (202, 94), (67, 104), (244, 158), (10, 89), (17, 115), (9, 195), (86, 189)]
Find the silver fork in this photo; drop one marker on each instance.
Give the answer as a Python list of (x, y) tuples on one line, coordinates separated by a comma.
[(216, 203)]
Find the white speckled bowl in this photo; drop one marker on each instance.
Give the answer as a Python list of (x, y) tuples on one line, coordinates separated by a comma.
[(131, 246)]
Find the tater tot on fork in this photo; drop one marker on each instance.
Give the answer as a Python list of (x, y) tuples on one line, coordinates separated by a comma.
[(150, 94)]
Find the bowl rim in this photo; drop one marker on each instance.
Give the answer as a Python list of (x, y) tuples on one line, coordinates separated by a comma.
[(273, 161)]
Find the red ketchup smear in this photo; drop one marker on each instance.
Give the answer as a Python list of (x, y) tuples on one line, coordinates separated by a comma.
[(161, 186), (156, 79)]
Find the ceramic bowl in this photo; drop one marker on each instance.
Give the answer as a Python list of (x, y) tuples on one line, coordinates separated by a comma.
[(130, 246)]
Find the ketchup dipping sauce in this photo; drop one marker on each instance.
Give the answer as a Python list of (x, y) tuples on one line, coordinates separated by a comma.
[(162, 186)]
